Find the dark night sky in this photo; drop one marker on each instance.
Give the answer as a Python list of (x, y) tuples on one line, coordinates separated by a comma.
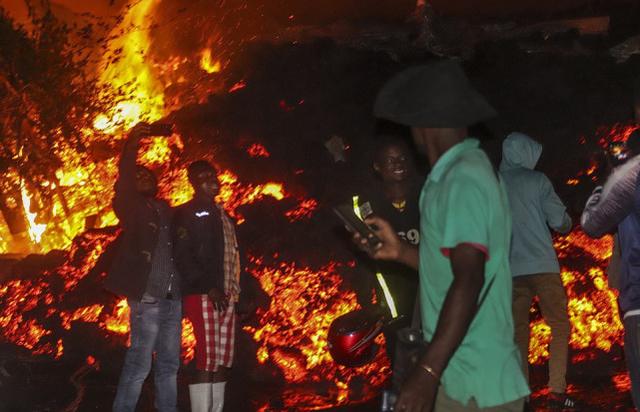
[(328, 11)]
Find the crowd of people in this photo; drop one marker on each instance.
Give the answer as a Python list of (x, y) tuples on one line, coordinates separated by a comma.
[(466, 252), (485, 250)]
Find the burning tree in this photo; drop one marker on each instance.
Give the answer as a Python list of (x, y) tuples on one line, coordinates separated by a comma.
[(47, 103)]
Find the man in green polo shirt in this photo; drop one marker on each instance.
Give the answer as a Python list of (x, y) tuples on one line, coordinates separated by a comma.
[(472, 362)]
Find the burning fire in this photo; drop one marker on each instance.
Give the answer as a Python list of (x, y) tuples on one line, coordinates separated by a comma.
[(39, 313), (35, 229), (208, 64), (128, 74), (593, 308), (134, 85)]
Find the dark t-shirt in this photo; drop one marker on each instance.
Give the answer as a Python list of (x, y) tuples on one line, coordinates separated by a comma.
[(401, 280), (406, 222)]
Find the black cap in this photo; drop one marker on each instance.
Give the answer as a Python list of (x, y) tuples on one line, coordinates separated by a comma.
[(437, 95)]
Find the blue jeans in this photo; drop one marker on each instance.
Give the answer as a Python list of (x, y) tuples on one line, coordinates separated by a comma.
[(156, 326), (632, 355)]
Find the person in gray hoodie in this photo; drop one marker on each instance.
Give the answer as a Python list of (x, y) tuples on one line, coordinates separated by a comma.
[(535, 207)]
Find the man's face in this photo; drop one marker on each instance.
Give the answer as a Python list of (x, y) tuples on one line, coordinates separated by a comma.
[(206, 183), (146, 183), (393, 164)]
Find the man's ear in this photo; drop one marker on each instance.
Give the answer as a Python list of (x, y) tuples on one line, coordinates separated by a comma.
[(376, 167)]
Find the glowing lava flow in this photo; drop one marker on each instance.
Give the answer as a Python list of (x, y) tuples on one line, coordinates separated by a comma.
[(40, 313), (593, 309), (29, 309), (293, 335)]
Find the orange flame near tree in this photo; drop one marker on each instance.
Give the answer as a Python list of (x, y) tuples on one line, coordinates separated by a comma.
[(85, 185)]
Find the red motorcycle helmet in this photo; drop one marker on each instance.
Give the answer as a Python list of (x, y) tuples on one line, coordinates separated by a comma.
[(351, 337)]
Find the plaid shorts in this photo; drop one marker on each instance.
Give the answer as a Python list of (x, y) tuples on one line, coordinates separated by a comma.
[(214, 332)]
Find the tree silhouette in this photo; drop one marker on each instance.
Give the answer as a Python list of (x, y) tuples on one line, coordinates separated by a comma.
[(47, 104)]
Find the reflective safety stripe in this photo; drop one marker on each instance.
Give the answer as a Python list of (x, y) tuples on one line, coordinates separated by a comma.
[(381, 281), (356, 206), (387, 295)]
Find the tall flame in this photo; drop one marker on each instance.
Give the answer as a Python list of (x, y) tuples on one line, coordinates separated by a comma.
[(207, 62), (35, 229), (130, 75)]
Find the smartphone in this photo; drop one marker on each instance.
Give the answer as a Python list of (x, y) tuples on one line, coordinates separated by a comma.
[(160, 129), (353, 222)]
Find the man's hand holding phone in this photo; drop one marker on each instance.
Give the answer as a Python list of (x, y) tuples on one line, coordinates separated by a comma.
[(391, 246)]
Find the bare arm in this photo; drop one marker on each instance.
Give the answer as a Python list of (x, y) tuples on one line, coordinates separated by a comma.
[(459, 308), (126, 192), (460, 305)]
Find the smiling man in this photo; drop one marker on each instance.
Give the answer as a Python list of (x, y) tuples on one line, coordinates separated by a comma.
[(394, 197), (472, 362), (206, 251)]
